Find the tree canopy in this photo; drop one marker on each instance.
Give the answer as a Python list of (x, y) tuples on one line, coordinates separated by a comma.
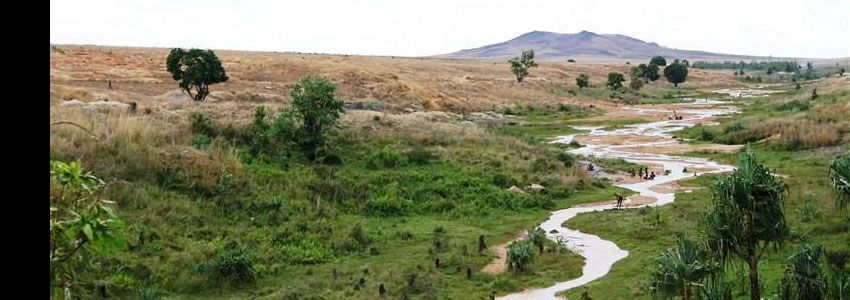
[(676, 73), (615, 80), (658, 61), (195, 69), (520, 65)]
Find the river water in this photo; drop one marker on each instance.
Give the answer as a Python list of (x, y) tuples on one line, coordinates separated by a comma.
[(601, 254)]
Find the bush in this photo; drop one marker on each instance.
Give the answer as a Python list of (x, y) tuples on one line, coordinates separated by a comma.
[(795, 105), (568, 159), (201, 141), (503, 181), (235, 266), (386, 158), (734, 127), (520, 255), (706, 135), (420, 156), (201, 124)]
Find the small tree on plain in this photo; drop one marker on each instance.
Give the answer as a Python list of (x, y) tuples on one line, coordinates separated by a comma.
[(582, 80), (520, 65), (658, 61), (195, 69), (651, 72), (676, 73), (615, 80), (314, 105)]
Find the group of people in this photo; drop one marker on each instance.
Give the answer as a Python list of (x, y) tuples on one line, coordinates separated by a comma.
[(675, 116), (644, 173)]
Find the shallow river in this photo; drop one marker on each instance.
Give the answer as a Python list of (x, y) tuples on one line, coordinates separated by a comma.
[(601, 254)]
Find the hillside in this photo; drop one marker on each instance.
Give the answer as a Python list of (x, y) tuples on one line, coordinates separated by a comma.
[(585, 45)]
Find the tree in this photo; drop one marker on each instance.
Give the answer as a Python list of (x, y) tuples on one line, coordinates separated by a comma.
[(686, 63), (678, 270), (676, 73), (520, 255), (313, 104), (803, 269), (658, 61), (748, 216), (582, 80), (651, 72), (195, 69), (537, 237), (839, 175), (520, 65), (82, 225), (637, 76), (769, 71), (841, 72), (615, 80)]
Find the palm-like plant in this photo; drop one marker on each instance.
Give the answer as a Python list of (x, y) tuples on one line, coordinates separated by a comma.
[(677, 270), (520, 255), (803, 269), (537, 237), (714, 289), (839, 174), (748, 216), (838, 281)]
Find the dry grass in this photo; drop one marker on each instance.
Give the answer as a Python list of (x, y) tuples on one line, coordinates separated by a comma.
[(416, 83)]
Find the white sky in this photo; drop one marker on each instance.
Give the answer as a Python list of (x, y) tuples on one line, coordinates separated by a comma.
[(810, 28)]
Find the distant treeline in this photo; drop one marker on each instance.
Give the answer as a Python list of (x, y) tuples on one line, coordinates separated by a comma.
[(787, 66)]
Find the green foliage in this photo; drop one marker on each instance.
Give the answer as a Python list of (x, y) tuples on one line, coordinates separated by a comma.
[(748, 215), (195, 69), (678, 270), (734, 127), (146, 293), (235, 266), (520, 65), (839, 175), (201, 141), (808, 211), (658, 61), (520, 255), (568, 159), (814, 93), (803, 270), (676, 73), (838, 279), (537, 237), (582, 81), (651, 72), (615, 80), (201, 124), (314, 106), (386, 157), (787, 66), (794, 105), (82, 225), (389, 204)]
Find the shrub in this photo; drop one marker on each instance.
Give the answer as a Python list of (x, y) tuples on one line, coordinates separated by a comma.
[(387, 158), (568, 159), (201, 141), (420, 156), (734, 127), (503, 180), (795, 105), (235, 266), (520, 65), (201, 124), (808, 211), (358, 234), (706, 135), (520, 255)]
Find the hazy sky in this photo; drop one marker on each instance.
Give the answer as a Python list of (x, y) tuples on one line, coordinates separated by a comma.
[(802, 28)]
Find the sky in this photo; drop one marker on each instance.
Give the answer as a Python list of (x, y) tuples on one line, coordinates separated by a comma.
[(781, 28)]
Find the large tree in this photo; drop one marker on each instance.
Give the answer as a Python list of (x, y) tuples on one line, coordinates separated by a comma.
[(658, 61), (676, 73), (748, 216), (195, 69), (520, 65)]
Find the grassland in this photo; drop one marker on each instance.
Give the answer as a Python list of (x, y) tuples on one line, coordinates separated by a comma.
[(411, 187)]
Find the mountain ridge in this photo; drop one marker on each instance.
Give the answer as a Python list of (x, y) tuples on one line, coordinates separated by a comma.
[(549, 45)]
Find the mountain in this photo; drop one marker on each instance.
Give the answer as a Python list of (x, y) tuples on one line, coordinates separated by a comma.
[(584, 45)]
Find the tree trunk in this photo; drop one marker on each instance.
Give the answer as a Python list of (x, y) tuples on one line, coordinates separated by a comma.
[(755, 294)]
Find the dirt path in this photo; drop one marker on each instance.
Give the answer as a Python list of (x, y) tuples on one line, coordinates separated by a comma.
[(498, 265)]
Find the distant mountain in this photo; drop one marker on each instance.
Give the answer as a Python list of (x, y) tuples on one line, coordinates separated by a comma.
[(584, 45)]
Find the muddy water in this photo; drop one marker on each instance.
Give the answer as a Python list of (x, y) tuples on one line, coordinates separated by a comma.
[(601, 254)]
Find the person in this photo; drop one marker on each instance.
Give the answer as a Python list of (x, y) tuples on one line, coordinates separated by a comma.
[(619, 199), (110, 84), (590, 167), (652, 176)]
